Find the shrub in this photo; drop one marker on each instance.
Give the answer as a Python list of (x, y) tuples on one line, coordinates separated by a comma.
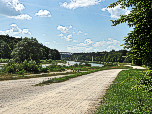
[(45, 70), (76, 65)]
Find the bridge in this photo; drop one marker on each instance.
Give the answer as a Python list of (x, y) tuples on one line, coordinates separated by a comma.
[(66, 53)]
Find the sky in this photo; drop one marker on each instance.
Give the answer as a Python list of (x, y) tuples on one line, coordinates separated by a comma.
[(65, 25)]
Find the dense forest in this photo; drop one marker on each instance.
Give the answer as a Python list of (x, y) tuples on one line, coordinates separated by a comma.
[(8, 43), (112, 56)]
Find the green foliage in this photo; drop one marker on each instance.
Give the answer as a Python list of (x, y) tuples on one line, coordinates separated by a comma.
[(55, 68), (10, 43), (140, 39), (27, 66), (5, 50), (98, 57), (27, 49), (87, 64), (125, 97)]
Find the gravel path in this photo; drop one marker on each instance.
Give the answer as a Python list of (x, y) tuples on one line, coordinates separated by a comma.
[(136, 67), (76, 96)]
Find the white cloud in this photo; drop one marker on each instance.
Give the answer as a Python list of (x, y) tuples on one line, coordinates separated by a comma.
[(105, 50), (43, 34), (115, 42), (100, 44), (109, 42), (44, 13), (75, 41), (111, 47), (85, 33), (110, 39), (88, 49), (87, 42), (47, 43), (95, 50), (21, 17), (61, 35), (63, 29), (26, 32), (73, 32), (82, 44), (15, 30), (79, 49), (70, 27), (79, 3), (79, 32), (11, 7), (55, 42), (68, 38), (103, 9), (2, 33), (116, 11), (17, 36)]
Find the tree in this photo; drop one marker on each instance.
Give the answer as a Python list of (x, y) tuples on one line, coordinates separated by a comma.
[(28, 49), (5, 50), (139, 40)]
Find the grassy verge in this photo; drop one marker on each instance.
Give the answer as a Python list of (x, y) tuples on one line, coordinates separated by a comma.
[(65, 78), (9, 76), (129, 94)]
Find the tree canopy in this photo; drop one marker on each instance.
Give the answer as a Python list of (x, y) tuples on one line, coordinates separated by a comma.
[(5, 50), (27, 49), (140, 39)]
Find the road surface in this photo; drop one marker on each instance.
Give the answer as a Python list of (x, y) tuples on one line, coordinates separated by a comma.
[(76, 96)]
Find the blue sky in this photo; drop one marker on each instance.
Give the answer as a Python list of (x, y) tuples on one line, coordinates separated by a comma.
[(65, 25)]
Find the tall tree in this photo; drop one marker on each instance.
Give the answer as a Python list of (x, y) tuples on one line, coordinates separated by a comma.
[(5, 50), (139, 40), (27, 49)]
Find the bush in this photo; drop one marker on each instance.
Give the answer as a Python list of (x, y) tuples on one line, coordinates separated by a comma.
[(10, 69), (45, 70), (28, 66), (87, 64), (76, 65)]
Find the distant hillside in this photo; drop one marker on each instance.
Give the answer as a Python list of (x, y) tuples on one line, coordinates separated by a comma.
[(112, 56), (10, 43)]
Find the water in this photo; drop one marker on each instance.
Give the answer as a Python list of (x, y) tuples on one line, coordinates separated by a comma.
[(92, 64), (1, 67), (72, 63)]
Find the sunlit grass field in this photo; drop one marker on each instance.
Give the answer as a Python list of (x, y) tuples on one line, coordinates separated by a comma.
[(130, 93)]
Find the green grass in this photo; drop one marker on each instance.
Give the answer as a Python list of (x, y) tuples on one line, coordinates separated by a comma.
[(88, 69), (65, 78), (127, 95), (11, 77)]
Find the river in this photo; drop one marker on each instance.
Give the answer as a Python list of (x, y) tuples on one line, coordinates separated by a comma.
[(92, 64)]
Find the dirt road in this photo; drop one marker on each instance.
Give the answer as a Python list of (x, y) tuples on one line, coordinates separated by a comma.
[(76, 96)]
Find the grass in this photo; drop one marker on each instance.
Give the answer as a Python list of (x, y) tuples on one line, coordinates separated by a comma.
[(127, 95), (89, 70), (9, 76), (65, 78)]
